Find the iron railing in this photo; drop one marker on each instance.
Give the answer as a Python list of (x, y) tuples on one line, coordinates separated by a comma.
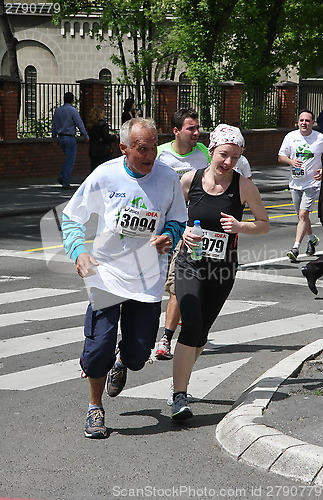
[(205, 99), (115, 95), (259, 106), (38, 103), (310, 96)]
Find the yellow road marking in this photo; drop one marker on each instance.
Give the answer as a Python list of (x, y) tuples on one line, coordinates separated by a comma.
[(245, 210), (50, 248)]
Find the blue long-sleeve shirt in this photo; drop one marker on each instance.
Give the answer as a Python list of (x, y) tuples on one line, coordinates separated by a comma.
[(66, 120), (74, 236)]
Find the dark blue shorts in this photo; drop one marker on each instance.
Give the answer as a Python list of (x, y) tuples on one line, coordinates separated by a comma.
[(139, 323)]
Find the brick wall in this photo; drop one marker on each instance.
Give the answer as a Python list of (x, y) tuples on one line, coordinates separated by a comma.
[(261, 145), (30, 158), (27, 158)]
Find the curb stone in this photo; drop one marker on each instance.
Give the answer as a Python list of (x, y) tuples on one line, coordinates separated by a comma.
[(265, 447)]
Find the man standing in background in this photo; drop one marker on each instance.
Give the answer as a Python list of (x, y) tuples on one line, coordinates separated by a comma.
[(66, 120)]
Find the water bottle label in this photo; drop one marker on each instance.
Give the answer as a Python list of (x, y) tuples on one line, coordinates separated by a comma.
[(215, 244)]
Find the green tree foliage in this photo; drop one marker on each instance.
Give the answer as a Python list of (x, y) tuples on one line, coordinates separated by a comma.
[(144, 20), (247, 40)]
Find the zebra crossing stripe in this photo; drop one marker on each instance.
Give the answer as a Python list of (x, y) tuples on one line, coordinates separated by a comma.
[(30, 294), (79, 308), (45, 314), (201, 382), (268, 329), (6, 279), (41, 376), (40, 341), (58, 372), (273, 278)]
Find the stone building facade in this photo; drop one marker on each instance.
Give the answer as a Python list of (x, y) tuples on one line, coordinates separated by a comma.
[(58, 54)]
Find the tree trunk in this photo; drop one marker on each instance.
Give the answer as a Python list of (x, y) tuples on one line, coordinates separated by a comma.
[(11, 41)]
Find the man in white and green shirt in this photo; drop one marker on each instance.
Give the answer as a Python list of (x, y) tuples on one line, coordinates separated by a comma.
[(140, 214), (302, 149)]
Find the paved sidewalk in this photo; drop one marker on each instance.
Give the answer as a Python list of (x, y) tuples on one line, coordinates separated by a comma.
[(254, 434), (33, 196)]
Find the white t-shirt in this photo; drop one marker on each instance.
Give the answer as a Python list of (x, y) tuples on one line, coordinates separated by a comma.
[(243, 167), (198, 158), (309, 149), (130, 211)]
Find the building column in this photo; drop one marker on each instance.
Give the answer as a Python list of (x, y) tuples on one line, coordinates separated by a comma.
[(166, 103), (286, 104), (10, 95), (91, 94), (230, 102)]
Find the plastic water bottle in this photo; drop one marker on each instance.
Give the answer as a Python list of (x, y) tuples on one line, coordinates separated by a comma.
[(197, 249)]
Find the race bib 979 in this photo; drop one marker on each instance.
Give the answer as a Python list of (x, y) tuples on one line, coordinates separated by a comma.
[(214, 244)]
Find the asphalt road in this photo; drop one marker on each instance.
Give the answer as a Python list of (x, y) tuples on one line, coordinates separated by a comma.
[(43, 399)]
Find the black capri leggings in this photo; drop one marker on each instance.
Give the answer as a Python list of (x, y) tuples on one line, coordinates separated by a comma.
[(200, 301)]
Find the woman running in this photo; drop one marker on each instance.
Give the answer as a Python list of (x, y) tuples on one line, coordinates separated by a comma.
[(216, 197)]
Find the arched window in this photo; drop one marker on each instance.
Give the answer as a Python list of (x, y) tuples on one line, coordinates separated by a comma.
[(105, 74), (184, 97), (30, 92)]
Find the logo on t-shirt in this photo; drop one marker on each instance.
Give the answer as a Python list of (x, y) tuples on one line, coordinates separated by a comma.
[(138, 202), (304, 153)]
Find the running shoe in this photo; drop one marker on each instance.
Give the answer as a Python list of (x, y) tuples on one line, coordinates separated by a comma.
[(180, 408), (170, 398), (94, 427), (311, 277), (310, 250), (163, 349), (293, 254), (117, 378)]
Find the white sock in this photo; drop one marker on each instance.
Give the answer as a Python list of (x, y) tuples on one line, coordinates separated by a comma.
[(94, 407)]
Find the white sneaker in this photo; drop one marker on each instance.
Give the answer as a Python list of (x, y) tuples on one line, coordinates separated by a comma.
[(163, 349)]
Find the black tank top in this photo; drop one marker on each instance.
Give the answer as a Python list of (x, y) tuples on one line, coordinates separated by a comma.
[(207, 208)]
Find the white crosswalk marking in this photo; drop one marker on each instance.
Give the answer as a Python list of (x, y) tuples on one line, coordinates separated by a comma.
[(273, 278), (232, 307), (63, 311), (31, 293), (39, 377), (40, 341), (259, 331), (6, 279), (201, 383)]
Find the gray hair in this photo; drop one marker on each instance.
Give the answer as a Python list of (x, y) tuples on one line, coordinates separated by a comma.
[(126, 128)]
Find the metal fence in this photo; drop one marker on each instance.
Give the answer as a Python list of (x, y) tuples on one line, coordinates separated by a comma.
[(38, 103), (115, 96), (258, 107), (205, 99), (310, 96)]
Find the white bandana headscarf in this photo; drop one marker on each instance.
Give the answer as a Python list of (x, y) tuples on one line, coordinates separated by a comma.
[(225, 134)]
